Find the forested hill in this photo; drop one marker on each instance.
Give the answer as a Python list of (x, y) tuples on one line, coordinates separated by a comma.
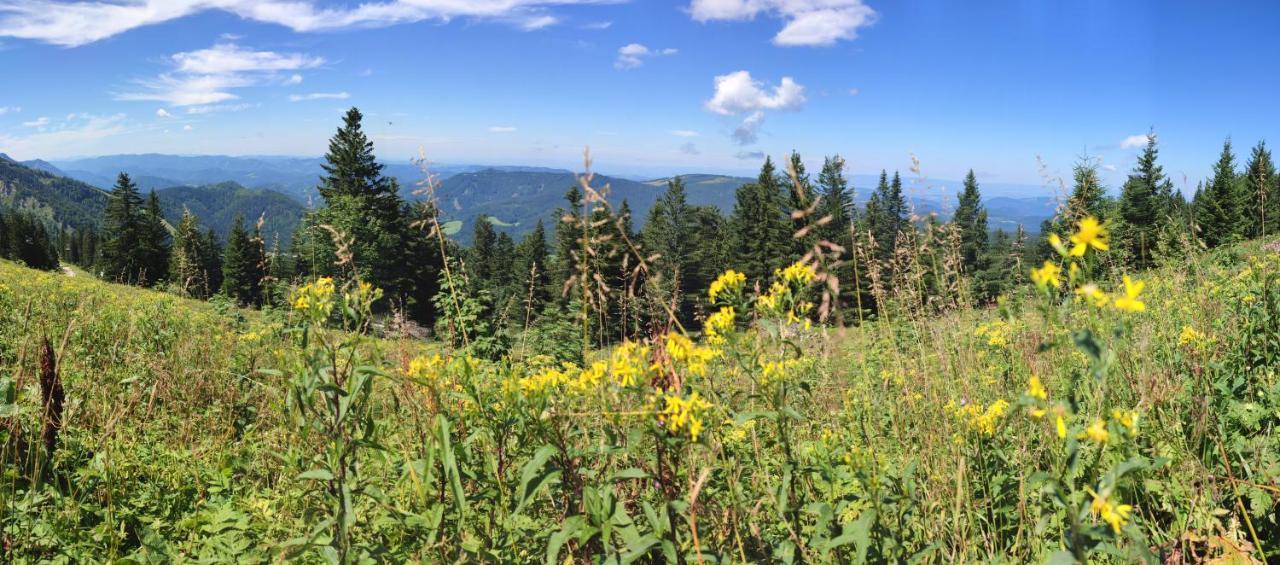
[(516, 200), (74, 204), (52, 198), (217, 206)]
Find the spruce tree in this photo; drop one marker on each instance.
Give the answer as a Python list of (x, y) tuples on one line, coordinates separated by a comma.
[(800, 198), (121, 255), (242, 266), (971, 218), (837, 203), (668, 234), (1144, 205), (762, 232), (481, 258), (155, 243), (1220, 215), (186, 265), (1261, 189), (211, 259), (532, 269)]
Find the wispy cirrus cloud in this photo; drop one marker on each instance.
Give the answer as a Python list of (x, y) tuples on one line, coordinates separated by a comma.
[(501, 129), (633, 55), (10, 110), (807, 22), (37, 123), (319, 96), (208, 76), (78, 133), (79, 22)]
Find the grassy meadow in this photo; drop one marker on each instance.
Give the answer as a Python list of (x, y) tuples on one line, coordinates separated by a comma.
[(1131, 420)]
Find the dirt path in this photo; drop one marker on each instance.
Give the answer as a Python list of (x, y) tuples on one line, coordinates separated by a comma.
[(69, 272)]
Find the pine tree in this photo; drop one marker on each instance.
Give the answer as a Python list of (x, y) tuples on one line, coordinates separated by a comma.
[(971, 218), (242, 266), (762, 232), (481, 258), (121, 254), (997, 266), (211, 259), (532, 269), (1088, 196), (186, 265), (669, 234), (155, 243), (1144, 205), (1220, 215), (800, 198), (1261, 189), (365, 206), (568, 240), (887, 217), (836, 204)]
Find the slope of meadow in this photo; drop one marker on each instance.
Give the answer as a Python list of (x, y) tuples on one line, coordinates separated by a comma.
[(1126, 423)]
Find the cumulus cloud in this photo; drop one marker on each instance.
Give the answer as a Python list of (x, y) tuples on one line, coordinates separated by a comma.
[(162, 113), (1134, 141), (737, 92), (749, 130), (37, 123), (207, 76), (689, 149), (501, 129), (320, 96), (633, 55), (806, 22), (79, 22)]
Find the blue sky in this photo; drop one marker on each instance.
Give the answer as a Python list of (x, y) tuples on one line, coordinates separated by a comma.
[(1014, 90)]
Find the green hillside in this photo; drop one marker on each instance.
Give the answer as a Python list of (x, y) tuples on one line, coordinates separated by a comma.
[(52, 198), (217, 206)]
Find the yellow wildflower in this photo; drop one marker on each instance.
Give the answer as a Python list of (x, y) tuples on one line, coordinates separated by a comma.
[(629, 363), (1092, 292), (695, 357), (1049, 274), (1126, 418), (1189, 336), (1129, 302), (1061, 426), (1089, 234), (730, 282), (679, 413), (797, 273), (719, 324), (1097, 431), (425, 368), (1056, 243), (1114, 514), (1035, 389)]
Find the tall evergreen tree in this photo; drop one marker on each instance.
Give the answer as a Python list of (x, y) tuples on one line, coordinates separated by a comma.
[(762, 232), (186, 265), (1220, 216), (887, 217), (155, 243), (971, 218), (365, 206), (837, 203), (242, 267), (532, 269), (669, 233), (122, 258), (800, 199), (1261, 189), (1144, 204), (481, 258), (211, 259)]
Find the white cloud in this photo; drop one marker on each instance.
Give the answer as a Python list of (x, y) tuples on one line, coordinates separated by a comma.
[(320, 96), (689, 149), (1134, 141), (207, 76), (295, 79), (79, 22), (807, 22), (10, 110), (632, 55), (501, 129), (77, 135), (37, 123), (737, 93), (854, 91), (162, 113), (597, 26), (749, 130), (186, 127), (211, 108), (684, 133), (1111, 168), (750, 155)]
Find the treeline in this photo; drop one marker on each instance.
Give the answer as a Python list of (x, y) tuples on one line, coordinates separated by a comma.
[(592, 276)]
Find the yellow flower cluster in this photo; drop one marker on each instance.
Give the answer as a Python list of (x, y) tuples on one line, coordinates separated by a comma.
[(720, 324), (315, 297), (777, 371), (681, 414), (798, 274), (1035, 389), (629, 363), (694, 357), (426, 369), (729, 283), (1048, 276), (1117, 515), (1191, 338), (1090, 233), (545, 379), (1130, 302), (982, 420), (997, 333)]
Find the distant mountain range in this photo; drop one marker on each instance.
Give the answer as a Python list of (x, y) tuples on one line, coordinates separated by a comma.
[(216, 188)]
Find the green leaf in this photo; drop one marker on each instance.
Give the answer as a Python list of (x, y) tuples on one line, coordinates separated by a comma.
[(629, 474), (316, 475), (534, 475)]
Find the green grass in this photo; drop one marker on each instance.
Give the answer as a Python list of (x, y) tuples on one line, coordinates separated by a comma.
[(908, 437)]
